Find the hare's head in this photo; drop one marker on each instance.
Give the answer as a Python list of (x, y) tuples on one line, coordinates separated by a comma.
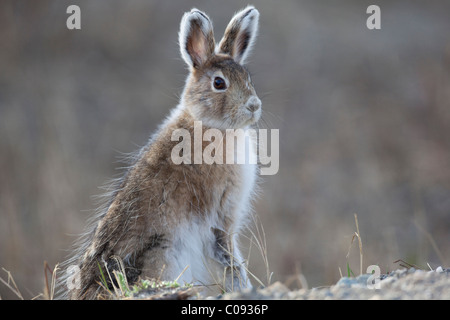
[(219, 91)]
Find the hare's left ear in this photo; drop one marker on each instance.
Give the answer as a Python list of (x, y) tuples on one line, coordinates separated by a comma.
[(240, 34), (196, 38)]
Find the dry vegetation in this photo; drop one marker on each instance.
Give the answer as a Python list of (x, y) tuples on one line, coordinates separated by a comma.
[(364, 119)]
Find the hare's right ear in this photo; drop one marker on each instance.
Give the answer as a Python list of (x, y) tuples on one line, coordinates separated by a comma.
[(196, 38), (240, 34)]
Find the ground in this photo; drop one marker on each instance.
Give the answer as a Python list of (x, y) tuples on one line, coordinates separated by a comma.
[(401, 284)]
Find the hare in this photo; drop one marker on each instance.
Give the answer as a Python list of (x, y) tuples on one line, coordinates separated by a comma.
[(165, 220)]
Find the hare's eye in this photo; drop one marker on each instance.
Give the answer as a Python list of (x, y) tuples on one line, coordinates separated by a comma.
[(219, 83)]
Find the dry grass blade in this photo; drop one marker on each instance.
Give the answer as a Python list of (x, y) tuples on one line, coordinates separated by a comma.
[(433, 243), (259, 238), (116, 290), (53, 283), (122, 287), (407, 265), (11, 284), (357, 235), (49, 290), (182, 272), (360, 246)]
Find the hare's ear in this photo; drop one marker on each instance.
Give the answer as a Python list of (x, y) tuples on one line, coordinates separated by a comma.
[(240, 34), (196, 38)]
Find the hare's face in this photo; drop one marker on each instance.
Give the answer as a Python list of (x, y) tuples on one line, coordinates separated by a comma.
[(219, 91), (221, 94)]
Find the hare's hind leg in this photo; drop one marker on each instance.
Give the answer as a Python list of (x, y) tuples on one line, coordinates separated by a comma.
[(154, 262)]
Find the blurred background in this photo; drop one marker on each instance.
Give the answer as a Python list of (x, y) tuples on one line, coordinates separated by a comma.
[(364, 120)]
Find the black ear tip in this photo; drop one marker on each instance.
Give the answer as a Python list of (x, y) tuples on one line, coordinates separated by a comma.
[(250, 13), (196, 11), (251, 9)]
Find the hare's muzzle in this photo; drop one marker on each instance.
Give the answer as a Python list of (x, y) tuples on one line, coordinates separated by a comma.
[(253, 105)]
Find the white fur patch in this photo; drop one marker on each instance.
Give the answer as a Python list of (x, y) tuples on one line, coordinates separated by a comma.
[(248, 174), (192, 251)]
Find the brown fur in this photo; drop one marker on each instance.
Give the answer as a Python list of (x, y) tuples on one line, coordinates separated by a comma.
[(236, 39), (198, 90), (141, 218), (156, 197)]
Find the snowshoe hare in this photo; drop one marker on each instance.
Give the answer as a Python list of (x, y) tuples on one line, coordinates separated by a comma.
[(166, 220)]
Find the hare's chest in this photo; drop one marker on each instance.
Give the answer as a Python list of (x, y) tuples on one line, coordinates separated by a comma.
[(237, 195), (246, 191), (248, 173)]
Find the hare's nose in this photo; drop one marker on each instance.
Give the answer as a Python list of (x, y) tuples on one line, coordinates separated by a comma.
[(253, 104), (253, 107)]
